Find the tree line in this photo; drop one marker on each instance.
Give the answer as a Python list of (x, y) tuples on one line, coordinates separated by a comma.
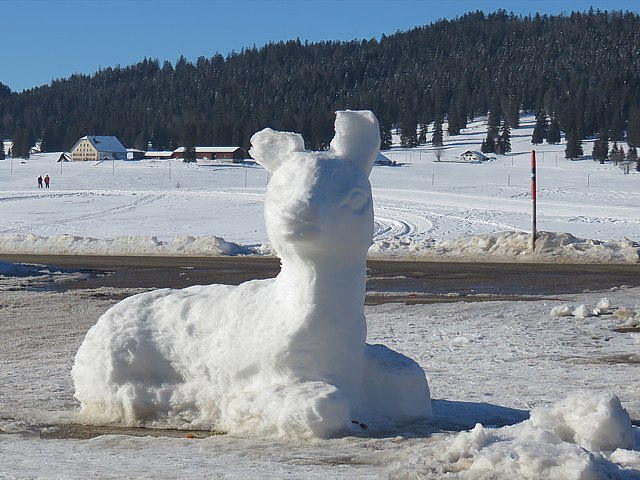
[(578, 73)]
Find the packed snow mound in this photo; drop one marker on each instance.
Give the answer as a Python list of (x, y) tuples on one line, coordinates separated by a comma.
[(182, 245), (513, 246), (501, 247), (583, 437), (278, 357), (602, 307), (596, 423)]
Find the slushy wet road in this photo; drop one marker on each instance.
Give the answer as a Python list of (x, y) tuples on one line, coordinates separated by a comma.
[(388, 276)]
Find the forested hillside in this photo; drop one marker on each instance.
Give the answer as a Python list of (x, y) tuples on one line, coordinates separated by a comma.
[(579, 73)]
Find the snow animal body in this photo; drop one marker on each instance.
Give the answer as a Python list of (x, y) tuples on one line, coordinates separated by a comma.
[(284, 356)]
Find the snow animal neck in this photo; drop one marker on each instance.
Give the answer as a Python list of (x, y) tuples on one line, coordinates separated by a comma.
[(335, 287), (326, 300)]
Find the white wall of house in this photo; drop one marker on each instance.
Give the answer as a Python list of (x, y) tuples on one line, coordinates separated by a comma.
[(84, 151)]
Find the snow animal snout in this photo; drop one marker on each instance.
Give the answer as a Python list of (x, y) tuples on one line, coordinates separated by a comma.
[(299, 221)]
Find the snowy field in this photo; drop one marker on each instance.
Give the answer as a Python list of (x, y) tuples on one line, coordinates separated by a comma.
[(536, 388), (423, 208)]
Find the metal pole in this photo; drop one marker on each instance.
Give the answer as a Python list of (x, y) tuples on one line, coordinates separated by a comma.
[(113, 166), (534, 230), (588, 180), (170, 162), (245, 178), (433, 179)]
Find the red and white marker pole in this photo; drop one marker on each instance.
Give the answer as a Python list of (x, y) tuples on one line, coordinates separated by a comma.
[(534, 231)]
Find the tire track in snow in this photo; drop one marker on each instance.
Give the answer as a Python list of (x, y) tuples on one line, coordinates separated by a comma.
[(416, 221)]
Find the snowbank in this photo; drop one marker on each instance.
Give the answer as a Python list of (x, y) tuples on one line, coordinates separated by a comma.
[(512, 246), (501, 247), (129, 245), (583, 437)]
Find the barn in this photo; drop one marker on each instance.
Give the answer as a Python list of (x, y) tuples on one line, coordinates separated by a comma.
[(229, 154)]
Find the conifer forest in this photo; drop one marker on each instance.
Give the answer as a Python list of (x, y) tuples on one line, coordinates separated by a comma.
[(578, 73)]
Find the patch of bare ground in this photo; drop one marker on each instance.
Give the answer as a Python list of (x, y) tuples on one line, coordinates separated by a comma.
[(84, 432)]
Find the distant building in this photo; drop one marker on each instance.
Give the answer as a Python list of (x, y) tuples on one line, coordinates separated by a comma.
[(8, 147), (233, 154), (37, 148), (383, 160), (473, 156), (98, 147), (158, 154), (135, 154)]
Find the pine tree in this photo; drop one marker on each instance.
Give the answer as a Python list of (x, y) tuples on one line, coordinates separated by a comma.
[(601, 147), (490, 143), (512, 112), (483, 147), (2, 155), (540, 129), (189, 154), (422, 137), (385, 137), (437, 138), (493, 126), (408, 135), (574, 146), (504, 140), (614, 154), (632, 154), (553, 135), (21, 144), (633, 127), (598, 152)]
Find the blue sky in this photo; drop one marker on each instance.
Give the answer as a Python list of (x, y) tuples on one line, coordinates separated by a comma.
[(48, 39)]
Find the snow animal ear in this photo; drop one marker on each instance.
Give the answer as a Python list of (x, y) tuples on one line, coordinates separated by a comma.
[(270, 148), (357, 138)]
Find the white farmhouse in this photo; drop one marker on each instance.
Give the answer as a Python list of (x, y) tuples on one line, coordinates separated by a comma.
[(473, 156), (98, 147)]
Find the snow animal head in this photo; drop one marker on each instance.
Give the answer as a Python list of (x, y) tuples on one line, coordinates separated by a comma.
[(319, 203)]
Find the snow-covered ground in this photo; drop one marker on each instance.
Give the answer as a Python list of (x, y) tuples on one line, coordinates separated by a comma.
[(490, 363), (423, 208)]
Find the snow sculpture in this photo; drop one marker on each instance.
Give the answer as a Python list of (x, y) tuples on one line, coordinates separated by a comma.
[(284, 356)]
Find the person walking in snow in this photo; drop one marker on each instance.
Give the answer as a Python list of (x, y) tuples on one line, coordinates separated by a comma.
[(47, 180), (40, 181)]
